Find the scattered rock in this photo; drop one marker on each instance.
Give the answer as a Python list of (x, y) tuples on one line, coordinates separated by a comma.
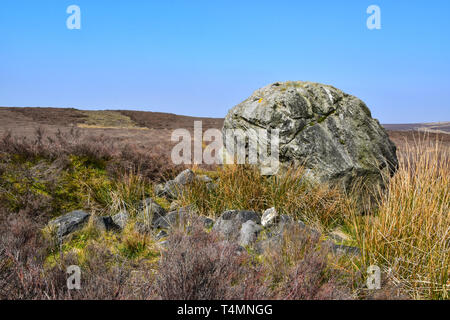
[(174, 205), (207, 222), (249, 233), (105, 223), (185, 177), (70, 222), (340, 249), (328, 131), (204, 178), (173, 188), (230, 222), (121, 219), (150, 211), (161, 234), (338, 236), (172, 218), (269, 217)]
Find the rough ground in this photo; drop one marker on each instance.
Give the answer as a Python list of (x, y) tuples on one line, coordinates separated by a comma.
[(151, 129)]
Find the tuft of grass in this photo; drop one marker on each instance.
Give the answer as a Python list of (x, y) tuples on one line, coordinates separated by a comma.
[(290, 192), (410, 235)]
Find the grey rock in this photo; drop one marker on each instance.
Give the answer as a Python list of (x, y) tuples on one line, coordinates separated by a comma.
[(207, 222), (269, 217), (341, 249), (121, 219), (185, 177), (161, 234), (230, 222), (174, 205), (70, 222), (178, 217), (249, 233), (105, 224), (150, 211), (204, 178), (159, 189), (328, 131), (173, 188)]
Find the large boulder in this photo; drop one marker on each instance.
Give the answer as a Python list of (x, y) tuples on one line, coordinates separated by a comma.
[(326, 130)]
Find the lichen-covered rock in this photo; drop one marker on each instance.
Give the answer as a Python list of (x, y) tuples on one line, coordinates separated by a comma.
[(328, 131), (249, 233), (185, 177), (121, 219), (70, 222), (172, 189), (230, 222), (269, 217), (177, 217)]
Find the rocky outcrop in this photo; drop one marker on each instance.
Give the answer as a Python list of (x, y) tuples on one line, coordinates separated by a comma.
[(328, 131)]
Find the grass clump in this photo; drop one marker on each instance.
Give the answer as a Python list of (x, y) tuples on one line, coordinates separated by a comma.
[(410, 234), (290, 192)]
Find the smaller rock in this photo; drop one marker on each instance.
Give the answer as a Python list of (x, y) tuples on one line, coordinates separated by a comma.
[(105, 223), (230, 222), (70, 222), (174, 205), (161, 234), (150, 211), (121, 219), (172, 189), (207, 222), (340, 249), (204, 178), (185, 177), (159, 189), (211, 186), (338, 236), (249, 233), (269, 217)]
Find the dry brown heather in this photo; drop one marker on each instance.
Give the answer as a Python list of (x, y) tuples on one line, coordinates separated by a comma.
[(106, 161)]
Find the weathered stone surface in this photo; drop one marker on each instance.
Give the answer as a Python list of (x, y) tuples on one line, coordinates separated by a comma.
[(204, 178), (269, 217), (105, 224), (173, 218), (207, 222), (121, 219), (70, 222), (328, 131), (230, 222), (249, 233), (150, 211), (185, 177)]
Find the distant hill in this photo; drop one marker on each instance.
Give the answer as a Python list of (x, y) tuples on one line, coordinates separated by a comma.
[(436, 127)]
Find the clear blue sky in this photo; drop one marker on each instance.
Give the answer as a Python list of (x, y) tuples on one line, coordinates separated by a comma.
[(203, 57)]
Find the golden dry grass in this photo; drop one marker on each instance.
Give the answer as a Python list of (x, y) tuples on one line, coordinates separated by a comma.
[(410, 235)]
